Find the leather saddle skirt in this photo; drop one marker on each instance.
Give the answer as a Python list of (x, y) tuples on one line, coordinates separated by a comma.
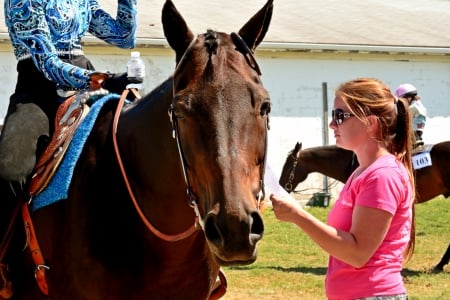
[(69, 115)]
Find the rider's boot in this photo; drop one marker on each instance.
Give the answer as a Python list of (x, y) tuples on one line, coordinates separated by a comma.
[(24, 127)]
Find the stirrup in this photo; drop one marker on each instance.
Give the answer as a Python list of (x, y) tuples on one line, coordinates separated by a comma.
[(6, 289)]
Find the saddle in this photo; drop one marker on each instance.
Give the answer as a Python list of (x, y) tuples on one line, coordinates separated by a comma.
[(68, 117), (422, 148)]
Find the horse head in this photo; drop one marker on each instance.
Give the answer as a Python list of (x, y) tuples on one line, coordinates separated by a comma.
[(293, 173), (220, 113), (328, 160)]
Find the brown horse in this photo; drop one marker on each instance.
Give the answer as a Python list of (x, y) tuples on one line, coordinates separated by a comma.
[(210, 172), (339, 163)]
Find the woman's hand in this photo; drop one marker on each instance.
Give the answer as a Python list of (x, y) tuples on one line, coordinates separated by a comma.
[(286, 209)]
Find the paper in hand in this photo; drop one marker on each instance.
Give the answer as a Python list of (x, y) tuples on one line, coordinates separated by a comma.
[(272, 185)]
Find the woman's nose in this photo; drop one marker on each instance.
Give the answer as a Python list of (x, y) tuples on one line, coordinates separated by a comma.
[(332, 124)]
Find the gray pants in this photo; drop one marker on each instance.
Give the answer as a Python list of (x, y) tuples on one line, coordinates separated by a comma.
[(19, 140)]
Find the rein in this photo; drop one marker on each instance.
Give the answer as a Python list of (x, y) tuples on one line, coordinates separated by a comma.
[(148, 224)]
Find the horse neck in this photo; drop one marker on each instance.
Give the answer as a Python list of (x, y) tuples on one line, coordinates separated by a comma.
[(145, 137), (330, 161), (152, 161)]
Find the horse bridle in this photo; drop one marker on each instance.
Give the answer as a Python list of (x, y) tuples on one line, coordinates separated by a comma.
[(288, 186), (192, 199), (242, 47)]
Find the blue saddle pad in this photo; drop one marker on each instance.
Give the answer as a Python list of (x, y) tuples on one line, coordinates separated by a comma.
[(58, 187)]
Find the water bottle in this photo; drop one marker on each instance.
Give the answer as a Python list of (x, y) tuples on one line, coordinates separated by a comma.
[(136, 67)]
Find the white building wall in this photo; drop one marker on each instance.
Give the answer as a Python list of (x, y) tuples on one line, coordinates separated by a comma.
[(294, 81)]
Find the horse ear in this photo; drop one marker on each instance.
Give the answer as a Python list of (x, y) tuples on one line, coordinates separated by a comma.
[(255, 29), (298, 147), (176, 31)]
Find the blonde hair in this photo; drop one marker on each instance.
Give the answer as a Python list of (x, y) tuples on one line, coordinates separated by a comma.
[(369, 96)]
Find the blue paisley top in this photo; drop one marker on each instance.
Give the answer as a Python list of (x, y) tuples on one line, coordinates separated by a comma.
[(43, 29)]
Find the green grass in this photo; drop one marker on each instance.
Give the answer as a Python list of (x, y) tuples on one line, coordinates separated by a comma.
[(291, 266)]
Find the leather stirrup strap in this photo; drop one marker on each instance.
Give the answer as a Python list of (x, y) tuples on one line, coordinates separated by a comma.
[(36, 254)]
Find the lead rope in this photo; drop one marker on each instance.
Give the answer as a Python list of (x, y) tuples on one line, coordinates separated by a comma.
[(156, 232)]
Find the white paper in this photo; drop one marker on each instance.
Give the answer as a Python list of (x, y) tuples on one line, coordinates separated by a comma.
[(272, 185)]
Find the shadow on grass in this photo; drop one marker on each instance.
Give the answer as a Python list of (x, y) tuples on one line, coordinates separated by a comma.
[(322, 270), (415, 273), (305, 270)]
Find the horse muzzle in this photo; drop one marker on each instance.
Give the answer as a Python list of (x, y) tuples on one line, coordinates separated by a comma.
[(232, 238)]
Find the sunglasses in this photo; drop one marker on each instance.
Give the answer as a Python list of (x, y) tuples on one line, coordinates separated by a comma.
[(338, 116)]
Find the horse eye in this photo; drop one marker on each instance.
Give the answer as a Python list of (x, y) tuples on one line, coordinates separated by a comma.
[(265, 108), (181, 104)]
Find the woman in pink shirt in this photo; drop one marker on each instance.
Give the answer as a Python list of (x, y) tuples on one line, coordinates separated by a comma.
[(370, 229)]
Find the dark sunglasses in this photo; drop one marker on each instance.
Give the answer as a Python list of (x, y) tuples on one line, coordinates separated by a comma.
[(338, 116)]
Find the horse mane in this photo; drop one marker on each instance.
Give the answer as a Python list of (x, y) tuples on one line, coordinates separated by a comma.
[(211, 42)]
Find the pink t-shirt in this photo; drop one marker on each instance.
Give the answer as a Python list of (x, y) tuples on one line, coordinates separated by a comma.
[(384, 185)]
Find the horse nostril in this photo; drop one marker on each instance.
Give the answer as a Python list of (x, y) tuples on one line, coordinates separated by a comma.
[(254, 224), (211, 231), (257, 228)]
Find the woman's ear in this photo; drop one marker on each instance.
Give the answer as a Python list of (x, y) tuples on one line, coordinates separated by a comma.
[(374, 125)]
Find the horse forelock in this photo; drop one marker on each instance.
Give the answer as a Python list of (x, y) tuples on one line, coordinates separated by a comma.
[(211, 42)]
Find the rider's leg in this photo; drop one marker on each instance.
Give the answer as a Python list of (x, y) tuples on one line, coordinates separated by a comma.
[(19, 141), (25, 124)]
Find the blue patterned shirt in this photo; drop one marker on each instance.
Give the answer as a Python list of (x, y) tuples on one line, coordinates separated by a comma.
[(43, 29)]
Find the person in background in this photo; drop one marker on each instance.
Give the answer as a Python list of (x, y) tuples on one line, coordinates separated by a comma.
[(369, 232), (46, 39), (418, 110)]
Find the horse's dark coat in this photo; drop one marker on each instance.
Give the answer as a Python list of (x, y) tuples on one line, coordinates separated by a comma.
[(94, 242)]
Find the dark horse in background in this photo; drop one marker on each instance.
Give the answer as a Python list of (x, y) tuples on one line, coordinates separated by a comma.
[(95, 243), (339, 164)]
